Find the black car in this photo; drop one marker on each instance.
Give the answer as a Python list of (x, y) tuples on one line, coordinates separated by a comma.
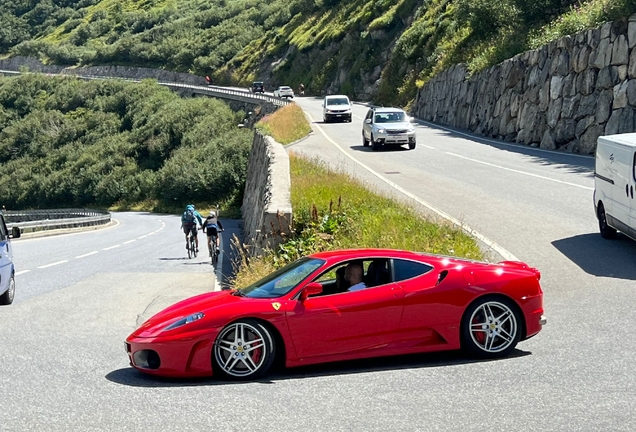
[(257, 87)]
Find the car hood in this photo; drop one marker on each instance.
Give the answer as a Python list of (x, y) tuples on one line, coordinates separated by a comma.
[(205, 303), (394, 125)]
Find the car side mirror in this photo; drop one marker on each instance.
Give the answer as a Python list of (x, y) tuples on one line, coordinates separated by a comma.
[(368, 121), (412, 119), (311, 289), (15, 232)]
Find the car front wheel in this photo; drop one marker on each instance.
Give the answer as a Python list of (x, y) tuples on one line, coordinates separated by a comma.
[(7, 297), (374, 144), (365, 141), (491, 328), (411, 146), (244, 349)]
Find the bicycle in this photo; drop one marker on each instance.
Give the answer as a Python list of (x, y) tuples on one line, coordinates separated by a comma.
[(214, 255), (192, 246)]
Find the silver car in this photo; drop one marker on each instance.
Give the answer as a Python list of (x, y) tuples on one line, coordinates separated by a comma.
[(387, 126), (7, 270)]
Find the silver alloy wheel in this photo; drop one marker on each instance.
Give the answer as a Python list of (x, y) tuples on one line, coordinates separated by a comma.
[(11, 290), (493, 327), (240, 349)]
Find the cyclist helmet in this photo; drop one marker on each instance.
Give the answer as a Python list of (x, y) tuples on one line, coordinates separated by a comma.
[(212, 214), (190, 207)]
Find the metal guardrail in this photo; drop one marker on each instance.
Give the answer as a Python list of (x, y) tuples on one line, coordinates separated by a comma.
[(36, 220)]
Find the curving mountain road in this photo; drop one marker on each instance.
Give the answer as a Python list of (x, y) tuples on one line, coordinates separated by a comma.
[(63, 366)]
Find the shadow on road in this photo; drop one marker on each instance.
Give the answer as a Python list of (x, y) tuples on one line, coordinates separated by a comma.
[(600, 257), (381, 149), (134, 378), (568, 162)]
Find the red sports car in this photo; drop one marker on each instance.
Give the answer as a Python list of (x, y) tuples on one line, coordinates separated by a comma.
[(307, 312)]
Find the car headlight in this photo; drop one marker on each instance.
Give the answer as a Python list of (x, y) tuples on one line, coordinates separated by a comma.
[(410, 130), (381, 130), (183, 321)]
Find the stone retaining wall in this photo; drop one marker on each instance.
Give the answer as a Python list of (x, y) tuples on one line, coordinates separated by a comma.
[(562, 96), (266, 209)]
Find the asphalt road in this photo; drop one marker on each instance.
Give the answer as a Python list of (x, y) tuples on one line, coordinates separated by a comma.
[(63, 366)]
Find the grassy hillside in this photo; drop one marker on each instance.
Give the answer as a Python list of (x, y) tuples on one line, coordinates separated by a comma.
[(343, 45), (66, 142)]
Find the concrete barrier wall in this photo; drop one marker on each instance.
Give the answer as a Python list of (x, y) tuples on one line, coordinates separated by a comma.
[(562, 96), (266, 209)]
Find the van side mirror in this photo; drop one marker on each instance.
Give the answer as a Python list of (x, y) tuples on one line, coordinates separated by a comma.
[(15, 232), (368, 121), (311, 289)]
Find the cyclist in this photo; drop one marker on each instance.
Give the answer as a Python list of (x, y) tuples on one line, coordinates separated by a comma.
[(212, 226), (189, 223)]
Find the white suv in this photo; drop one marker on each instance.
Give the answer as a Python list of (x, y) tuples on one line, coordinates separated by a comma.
[(336, 107), (387, 126), (284, 92), (7, 270)]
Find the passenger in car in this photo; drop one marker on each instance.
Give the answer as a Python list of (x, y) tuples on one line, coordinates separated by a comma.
[(353, 275)]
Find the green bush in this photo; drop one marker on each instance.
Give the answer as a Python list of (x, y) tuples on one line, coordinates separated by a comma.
[(67, 142)]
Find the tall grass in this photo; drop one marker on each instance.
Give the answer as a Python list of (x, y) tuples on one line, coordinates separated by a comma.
[(334, 211), (285, 125)]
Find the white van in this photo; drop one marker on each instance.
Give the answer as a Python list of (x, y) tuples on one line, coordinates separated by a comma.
[(614, 183), (336, 107)]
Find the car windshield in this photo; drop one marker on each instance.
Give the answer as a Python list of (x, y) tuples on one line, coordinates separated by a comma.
[(283, 280), (337, 101), (257, 84), (285, 88), (390, 117)]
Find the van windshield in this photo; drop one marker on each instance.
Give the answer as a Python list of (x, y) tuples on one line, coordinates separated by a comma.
[(338, 101)]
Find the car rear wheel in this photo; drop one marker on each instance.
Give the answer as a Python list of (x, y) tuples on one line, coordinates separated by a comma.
[(607, 232), (491, 328), (7, 297), (244, 349)]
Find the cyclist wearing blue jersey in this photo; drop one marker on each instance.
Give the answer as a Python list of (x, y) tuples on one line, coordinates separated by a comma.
[(189, 223)]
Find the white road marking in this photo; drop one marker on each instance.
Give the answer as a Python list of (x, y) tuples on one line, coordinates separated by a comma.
[(53, 264), (112, 247), (88, 254), (506, 255), (432, 148), (141, 237), (130, 241), (521, 172), (22, 272)]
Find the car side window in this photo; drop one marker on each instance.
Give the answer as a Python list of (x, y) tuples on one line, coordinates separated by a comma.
[(3, 232), (634, 168), (404, 269)]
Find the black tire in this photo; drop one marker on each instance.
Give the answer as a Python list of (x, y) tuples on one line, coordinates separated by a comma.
[(607, 232), (229, 345), (325, 119), (365, 142), (194, 247), (374, 144), (349, 119), (411, 146), (7, 297), (189, 249), (479, 329)]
